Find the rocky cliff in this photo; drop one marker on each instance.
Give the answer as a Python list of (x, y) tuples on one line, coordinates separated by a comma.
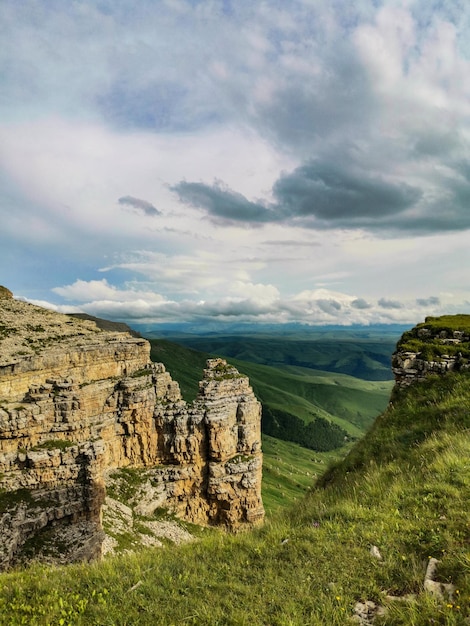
[(79, 405), (436, 346)]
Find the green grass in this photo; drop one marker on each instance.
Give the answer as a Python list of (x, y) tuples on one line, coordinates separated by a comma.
[(404, 488), (289, 471), (9, 499), (447, 322), (54, 444), (435, 405)]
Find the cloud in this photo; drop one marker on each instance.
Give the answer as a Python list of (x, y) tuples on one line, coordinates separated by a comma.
[(390, 304), (256, 292), (293, 243), (246, 302), (202, 271), (360, 303), (150, 106), (336, 195), (368, 103), (316, 194), (222, 203), (431, 301), (326, 196), (339, 130), (100, 290), (332, 307), (141, 205)]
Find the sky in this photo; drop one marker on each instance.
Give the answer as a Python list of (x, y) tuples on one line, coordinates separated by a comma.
[(236, 160)]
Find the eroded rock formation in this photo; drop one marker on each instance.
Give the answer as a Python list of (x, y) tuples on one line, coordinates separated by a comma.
[(78, 403)]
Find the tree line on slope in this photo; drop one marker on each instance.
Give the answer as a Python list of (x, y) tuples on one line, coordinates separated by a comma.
[(320, 434)]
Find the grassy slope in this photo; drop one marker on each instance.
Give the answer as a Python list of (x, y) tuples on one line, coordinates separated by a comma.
[(289, 471), (404, 488), (350, 402), (185, 365)]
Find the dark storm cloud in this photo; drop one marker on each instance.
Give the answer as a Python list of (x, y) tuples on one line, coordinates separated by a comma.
[(360, 303), (325, 195), (333, 194), (140, 205), (328, 194), (222, 203), (437, 142), (389, 304), (432, 300)]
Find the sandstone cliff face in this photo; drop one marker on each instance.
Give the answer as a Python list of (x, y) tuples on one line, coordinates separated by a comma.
[(78, 404)]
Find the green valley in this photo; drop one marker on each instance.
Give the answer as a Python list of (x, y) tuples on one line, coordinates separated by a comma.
[(363, 353), (293, 398)]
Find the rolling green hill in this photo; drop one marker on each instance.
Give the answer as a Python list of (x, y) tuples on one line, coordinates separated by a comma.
[(350, 402), (298, 394), (403, 489), (359, 354)]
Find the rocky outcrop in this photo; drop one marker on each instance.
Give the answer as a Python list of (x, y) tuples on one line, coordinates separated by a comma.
[(78, 405), (409, 367), (431, 349), (5, 293)]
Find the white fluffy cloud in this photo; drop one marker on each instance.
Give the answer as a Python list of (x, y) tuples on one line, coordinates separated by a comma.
[(251, 303)]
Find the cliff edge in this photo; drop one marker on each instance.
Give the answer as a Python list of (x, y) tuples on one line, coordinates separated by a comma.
[(79, 404), (436, 346)]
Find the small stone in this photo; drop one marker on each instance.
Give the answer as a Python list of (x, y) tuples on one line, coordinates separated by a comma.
[(366, 612), (375, 552)]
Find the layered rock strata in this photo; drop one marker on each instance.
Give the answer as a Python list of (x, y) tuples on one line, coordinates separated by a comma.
[(78, 404)]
